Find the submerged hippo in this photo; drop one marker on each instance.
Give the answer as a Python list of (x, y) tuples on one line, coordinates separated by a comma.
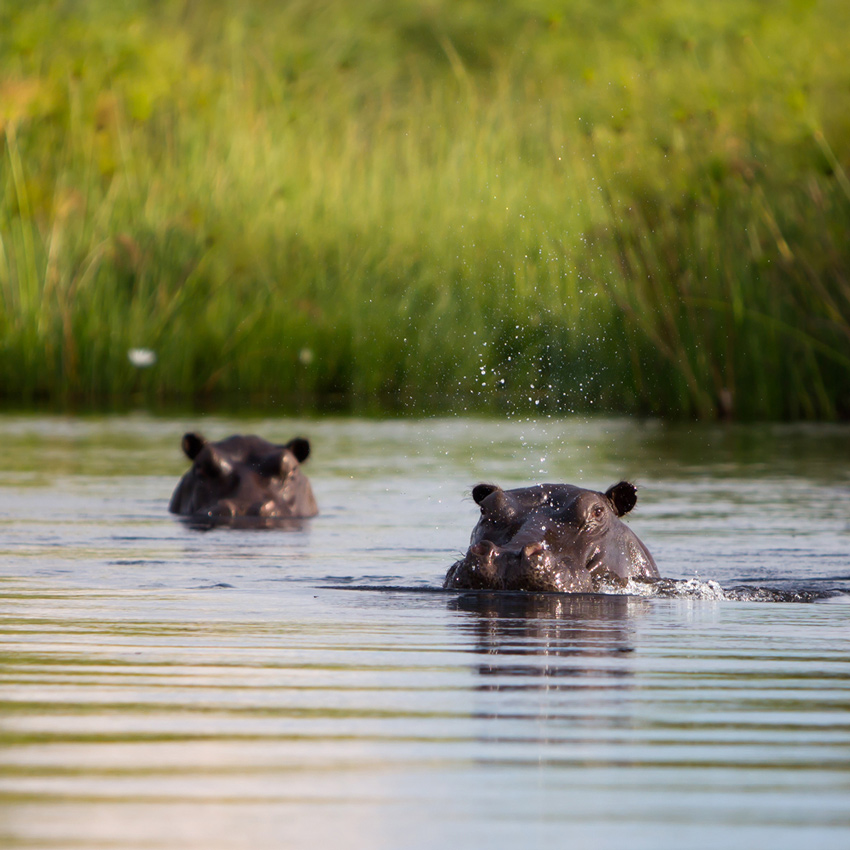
[(244, 477), (551, 537)]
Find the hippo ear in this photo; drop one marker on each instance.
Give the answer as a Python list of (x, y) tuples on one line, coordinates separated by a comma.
[(300, 448), (481, 491), (623, 497), (192, 444)]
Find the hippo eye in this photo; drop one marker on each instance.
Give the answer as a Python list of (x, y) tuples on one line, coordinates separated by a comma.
[(597, 511), (212, 465)]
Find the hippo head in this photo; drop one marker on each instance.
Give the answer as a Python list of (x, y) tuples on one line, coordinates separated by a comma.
[(552, 537), (244, 477)]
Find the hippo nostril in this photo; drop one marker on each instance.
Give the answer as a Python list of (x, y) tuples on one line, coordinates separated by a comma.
[(262, 509), (223, 509), (268, 508)]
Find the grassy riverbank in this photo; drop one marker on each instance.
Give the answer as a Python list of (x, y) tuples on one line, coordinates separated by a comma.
[(535, 206)]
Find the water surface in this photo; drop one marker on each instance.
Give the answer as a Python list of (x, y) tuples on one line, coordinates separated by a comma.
[(164, 687)]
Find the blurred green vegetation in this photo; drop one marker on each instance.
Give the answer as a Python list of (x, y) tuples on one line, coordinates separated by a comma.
[(532, 206)]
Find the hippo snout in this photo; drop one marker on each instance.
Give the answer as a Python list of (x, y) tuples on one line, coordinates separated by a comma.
[(480, 563)]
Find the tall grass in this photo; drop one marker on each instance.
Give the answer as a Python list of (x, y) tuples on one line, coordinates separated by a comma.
[(639, 207)]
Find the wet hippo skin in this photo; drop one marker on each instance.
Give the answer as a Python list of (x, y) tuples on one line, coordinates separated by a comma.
[(244, 476), (552, 537)]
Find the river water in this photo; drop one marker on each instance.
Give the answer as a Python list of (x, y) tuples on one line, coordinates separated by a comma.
[(164, 687)]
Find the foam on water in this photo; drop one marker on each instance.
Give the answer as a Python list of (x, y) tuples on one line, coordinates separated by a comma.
[(710, 590)]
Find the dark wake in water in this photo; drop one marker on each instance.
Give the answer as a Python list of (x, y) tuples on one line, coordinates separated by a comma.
[(664, 588)]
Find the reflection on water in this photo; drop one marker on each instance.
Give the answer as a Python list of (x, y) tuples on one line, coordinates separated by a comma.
[(243, 523), (544, 637), (165, 688)]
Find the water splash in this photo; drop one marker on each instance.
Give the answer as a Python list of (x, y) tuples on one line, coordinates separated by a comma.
[(666, 588), (710, 590)]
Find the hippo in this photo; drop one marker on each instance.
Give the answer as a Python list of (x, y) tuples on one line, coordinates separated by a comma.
[(552, 537), (244, 477)]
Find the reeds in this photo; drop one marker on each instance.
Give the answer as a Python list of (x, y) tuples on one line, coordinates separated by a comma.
[(391, 206)]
